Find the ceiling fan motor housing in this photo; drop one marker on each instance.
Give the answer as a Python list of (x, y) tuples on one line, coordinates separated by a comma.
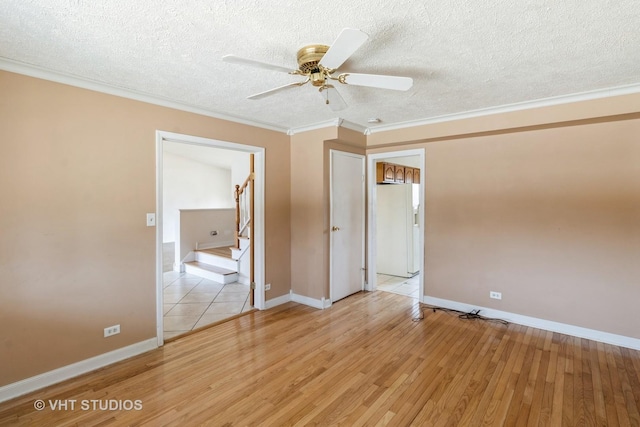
[(309, 62)]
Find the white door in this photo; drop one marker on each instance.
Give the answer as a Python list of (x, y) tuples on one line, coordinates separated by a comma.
[(347, 224)]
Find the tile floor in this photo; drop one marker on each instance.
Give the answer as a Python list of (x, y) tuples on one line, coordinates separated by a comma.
[(191, 302), (399, 285)]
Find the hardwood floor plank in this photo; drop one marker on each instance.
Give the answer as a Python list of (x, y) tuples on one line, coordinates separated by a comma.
[(633, 373), (459, 395), (361, 362), (627, 391), (587, 384), (518, 408), (454, 379), (484, 381), (619, 400), (537, 387), (449, 363), (600, 412), (578, 384), (546, 402), (488, 410)]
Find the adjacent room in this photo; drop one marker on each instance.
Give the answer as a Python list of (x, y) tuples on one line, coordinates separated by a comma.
[(361, 213)]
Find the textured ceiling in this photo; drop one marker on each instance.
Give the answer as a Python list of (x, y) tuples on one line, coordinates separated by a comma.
[(463, 55)]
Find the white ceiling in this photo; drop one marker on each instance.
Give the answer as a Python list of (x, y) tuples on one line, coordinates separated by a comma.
[(463, 55)]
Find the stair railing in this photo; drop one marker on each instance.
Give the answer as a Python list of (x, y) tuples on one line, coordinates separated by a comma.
[(244, 196), (243, 208)]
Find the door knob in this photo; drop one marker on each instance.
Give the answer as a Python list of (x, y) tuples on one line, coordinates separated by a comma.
[(334, 228)]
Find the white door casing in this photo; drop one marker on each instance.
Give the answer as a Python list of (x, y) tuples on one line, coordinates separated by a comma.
[(372, 219), (259, 233), (347, 231)]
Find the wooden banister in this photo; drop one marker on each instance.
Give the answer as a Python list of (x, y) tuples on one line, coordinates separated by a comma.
[(246, 220)]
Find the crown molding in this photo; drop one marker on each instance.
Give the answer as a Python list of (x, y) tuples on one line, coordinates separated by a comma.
[(337, 122), (315, 126), (71, 80), (527, 105), (353, 126)]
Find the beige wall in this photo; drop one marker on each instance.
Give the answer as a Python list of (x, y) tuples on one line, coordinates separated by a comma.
[(550, 217), (310, 205), (189, 184), (195, 225), (308, 252), (567, 114), (77, 175)]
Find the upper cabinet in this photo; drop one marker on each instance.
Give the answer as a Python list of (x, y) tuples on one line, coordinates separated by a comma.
[(416, 176), (386, 172), (390, 173), (409, 174)]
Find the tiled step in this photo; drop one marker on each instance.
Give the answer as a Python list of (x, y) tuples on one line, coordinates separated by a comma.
[(211, 272)]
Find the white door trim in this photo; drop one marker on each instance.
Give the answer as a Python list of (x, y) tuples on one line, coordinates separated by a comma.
[(259, 152), (371, 214), (331, 219)]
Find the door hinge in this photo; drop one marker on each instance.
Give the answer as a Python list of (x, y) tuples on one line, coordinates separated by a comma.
[(253, 285)]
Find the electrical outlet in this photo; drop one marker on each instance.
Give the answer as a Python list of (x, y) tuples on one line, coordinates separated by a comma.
[(267, 287), (495, 295), (111, 330)]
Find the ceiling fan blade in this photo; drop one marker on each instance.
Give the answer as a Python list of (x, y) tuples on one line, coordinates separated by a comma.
[(252, 63), (275, 90), (348, 41), (379, 81), (332, 98)]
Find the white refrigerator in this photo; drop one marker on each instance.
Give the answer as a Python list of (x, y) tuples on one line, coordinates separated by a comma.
[(397, 230)]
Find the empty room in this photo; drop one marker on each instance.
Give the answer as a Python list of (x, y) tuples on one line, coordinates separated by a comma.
[(361, 213)]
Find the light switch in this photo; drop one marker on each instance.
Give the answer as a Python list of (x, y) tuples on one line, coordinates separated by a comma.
[(151, 220)]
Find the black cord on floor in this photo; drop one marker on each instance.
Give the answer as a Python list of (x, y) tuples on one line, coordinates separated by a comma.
[(472, 315)]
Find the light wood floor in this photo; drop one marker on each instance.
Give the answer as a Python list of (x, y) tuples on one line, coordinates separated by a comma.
[(361, 362)]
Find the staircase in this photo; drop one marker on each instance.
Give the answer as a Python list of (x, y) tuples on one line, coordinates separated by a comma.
[(230, 264), (222, 265)]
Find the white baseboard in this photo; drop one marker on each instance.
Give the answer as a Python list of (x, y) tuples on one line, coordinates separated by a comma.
[(46, 379), (277, 301), (311, 302), (547, 325)]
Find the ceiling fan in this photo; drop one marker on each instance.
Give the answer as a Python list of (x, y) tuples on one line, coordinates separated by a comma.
[(318, 63)]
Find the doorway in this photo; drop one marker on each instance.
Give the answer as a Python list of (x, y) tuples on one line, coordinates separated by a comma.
[(408, 211), (207, 147), (347, 233)]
